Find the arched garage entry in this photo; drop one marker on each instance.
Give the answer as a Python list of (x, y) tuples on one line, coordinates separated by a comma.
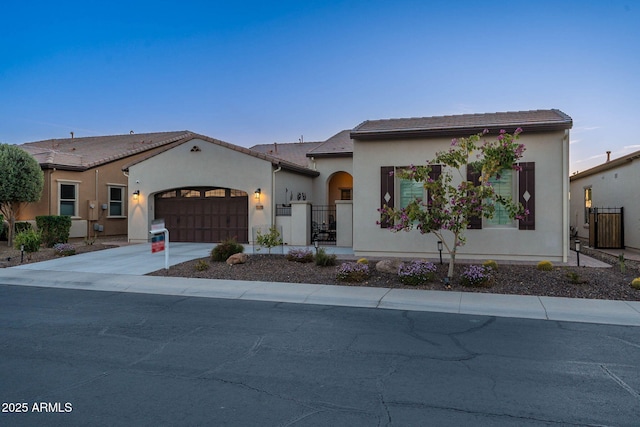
[(204, 214)]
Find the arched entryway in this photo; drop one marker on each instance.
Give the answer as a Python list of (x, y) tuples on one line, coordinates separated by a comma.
[(339, 187), (204, 214)]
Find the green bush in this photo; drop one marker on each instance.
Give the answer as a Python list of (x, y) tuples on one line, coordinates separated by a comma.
[(545, 266), (363, 261), (1, 226), (54, 228), (224, 250), (270, 239), (574, 278), (300, 255), (19, 227), (635, 283), (30, 239), (323, 259), (201, 265)]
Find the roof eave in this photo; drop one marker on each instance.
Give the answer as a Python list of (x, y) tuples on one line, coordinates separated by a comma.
[(329, 155), (606, 166), (458, 131)]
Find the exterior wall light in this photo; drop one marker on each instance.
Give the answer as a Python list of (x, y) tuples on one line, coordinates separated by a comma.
[(578, 251), (256, 194), (440, 250), (136, 194)]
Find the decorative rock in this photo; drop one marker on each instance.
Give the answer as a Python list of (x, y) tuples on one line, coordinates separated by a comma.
[(390, 266), (237, 259)]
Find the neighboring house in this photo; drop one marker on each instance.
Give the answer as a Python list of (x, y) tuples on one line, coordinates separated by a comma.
[(83, 178), (207, 190), (611, 191)]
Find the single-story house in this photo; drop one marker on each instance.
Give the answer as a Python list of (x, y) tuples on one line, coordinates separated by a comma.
[(207, 190), (605, 207)]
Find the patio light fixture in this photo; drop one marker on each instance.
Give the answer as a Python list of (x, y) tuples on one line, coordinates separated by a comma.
[(136, 194), (578, 251), (256, 194), (316, 244), (440, 250)]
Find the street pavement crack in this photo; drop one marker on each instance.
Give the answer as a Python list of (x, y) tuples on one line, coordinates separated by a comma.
[(619, 381)]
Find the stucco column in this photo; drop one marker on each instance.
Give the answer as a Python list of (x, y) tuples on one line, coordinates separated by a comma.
[(344, 225), (300, 223)]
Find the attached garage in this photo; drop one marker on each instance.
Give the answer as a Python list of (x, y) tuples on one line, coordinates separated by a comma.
[(204, 214)]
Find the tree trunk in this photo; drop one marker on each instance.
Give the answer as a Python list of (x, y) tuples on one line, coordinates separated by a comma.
[(452, 261), (10, 231)]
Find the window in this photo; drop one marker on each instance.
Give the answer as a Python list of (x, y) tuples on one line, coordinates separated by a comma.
[(503, 185), (68, 196), (409, 190), (587, 203), (116, 200), (345, 194)]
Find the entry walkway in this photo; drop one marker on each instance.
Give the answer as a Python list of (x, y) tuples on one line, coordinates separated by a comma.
[(122, 270)]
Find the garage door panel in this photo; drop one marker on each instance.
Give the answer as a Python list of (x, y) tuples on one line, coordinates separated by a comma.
[(204, 219)]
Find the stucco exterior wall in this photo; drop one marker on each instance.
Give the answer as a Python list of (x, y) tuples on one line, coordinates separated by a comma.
[(327, 168), (213, 165), (549, 151), (614, 188)]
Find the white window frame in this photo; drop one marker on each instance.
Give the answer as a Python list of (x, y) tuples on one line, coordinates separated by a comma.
[(122, 201), (487, 223), (75, 184), (588, 202)]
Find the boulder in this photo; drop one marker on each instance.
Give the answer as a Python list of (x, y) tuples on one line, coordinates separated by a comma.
[(237, 259), (390, 266)]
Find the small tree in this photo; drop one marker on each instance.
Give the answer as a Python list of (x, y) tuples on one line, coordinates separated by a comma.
[(270, 239), (21, 181), (450, 204)]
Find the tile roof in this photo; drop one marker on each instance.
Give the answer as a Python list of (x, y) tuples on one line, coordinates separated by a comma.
[(85, 153), (338, 145), (611, 164), (295, 152), (463, 124)]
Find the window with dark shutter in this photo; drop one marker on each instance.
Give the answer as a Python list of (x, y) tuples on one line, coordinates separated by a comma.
[(386, 191), (475, 222), (526, 194)]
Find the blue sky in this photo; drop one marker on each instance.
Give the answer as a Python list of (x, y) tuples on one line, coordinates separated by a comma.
[(253, 72)]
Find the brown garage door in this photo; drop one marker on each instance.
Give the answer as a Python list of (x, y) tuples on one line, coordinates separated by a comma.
[(204, 214)]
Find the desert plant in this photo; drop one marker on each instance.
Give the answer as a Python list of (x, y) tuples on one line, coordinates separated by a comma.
[(621, 263), (224, 250), (475, 275), (545, 266), (363, 261), (201, 265), (491, 264), (635, 283), (574, 278), (300, 255), (323, 259), (416, 273), (64, 249), (353, 272), (269, 239), (30, 240)]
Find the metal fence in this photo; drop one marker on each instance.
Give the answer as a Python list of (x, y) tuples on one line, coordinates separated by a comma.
[(323, 224)]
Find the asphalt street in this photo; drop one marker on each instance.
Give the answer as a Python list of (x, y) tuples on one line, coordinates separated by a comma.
[(76, 357)]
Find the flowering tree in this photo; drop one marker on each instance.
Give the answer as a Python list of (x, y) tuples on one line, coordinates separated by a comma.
[(452, 203)]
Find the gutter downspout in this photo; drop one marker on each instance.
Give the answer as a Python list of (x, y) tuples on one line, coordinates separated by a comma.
[(565, 198), (273, 197)]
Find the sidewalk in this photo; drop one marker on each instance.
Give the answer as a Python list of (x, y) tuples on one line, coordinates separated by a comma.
[(122, 270)]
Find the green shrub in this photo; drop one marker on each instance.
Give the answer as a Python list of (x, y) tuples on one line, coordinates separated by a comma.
[(201, 265), (64, 249), (224, 250), (21, 226), (54, 228), (30, 239), (300, 255), (323, 259), (574, 278), (363, 261), (269, 239), (491, 264), (353, 272), (545, 266), (635, 283), (417, 272), (1, 224)]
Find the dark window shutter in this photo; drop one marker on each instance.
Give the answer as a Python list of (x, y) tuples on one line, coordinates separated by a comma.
[(475, 222), (386, 191), (436, 171), (527, 194)]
